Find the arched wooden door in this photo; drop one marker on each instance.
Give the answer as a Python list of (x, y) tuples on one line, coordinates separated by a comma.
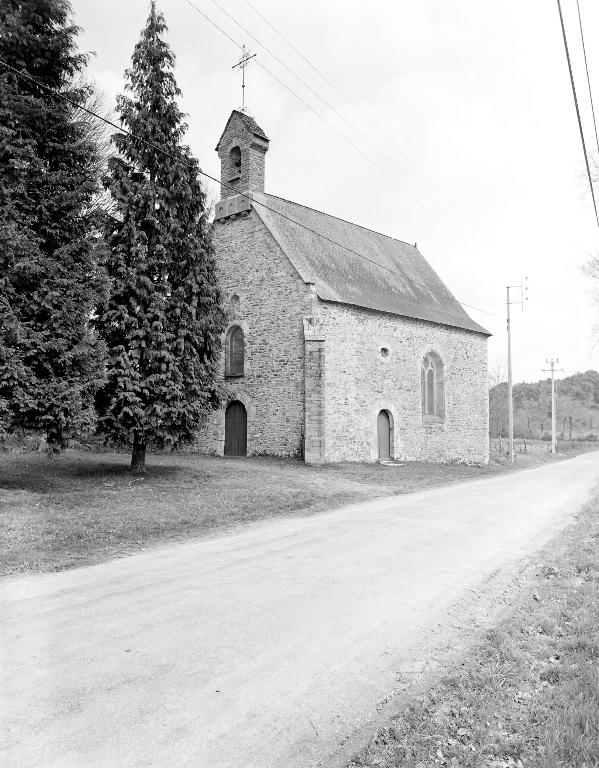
[(236, 429), (383, 429)]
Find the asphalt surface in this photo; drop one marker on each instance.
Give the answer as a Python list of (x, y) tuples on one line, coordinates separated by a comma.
[(268, 647)]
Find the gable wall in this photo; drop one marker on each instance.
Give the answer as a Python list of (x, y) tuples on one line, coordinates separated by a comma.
[(359, 383), (273, 301)]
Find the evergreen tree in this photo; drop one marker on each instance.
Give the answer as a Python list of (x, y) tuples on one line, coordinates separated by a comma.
[(50, 361), (163, 320)]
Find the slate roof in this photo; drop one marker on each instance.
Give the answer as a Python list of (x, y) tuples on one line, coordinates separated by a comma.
[(249, 123), (400, 281)]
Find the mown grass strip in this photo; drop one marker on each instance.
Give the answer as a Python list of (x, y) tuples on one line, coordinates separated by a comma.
[(84, 507)]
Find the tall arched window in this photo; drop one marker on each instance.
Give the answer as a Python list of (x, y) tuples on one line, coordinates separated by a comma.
[(433, 395), (234, 352)]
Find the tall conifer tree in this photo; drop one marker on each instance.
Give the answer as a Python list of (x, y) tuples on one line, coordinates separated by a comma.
[(163, 321), (50, 361)]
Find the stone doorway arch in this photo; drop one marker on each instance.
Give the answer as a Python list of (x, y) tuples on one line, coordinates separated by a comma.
[(383, 430), (236, 429)]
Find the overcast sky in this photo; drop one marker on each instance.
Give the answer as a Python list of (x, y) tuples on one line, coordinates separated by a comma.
[(470, 119)]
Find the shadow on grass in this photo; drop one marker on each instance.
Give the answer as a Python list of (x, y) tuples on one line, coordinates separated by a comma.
[(40, 474)]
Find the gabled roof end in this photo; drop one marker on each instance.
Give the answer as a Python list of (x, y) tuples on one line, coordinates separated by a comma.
[(247, 121)]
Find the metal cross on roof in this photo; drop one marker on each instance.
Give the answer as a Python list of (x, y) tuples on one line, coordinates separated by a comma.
[(242, 64)]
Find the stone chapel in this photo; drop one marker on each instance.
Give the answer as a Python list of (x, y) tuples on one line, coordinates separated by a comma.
[(342, 343)]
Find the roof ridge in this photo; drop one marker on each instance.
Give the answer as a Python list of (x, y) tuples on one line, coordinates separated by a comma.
[(345, 221)]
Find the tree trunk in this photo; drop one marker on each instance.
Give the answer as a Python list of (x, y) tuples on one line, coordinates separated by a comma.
[(138, 456)]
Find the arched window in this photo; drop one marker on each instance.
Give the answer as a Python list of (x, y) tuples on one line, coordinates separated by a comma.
[(235, 155), (433, 396), (234, 352)]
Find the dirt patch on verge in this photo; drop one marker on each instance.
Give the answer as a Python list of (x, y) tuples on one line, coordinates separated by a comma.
[(527, 693)]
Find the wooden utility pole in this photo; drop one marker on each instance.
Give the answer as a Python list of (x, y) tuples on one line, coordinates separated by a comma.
[(510, 400), (553, 369)]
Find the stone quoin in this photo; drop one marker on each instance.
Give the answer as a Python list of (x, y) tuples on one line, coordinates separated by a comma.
[(328, 355)]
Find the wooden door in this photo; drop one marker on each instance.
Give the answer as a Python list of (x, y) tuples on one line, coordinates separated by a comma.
[(384, 436), (235, 429)]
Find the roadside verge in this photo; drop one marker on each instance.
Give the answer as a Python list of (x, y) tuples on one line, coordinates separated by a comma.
[(527, 692)]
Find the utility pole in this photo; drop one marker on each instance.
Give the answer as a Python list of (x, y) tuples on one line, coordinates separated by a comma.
[(553, 369), (510, 400)]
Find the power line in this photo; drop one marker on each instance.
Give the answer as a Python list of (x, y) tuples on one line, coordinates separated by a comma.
[(311, 108), (330, 107), (157, 148), (214, 24), (367, 120), (584, 50), (584, 146), (275, 77)]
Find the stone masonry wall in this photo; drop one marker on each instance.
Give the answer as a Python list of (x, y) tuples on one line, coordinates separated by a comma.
[(272, 302), (359, 383)]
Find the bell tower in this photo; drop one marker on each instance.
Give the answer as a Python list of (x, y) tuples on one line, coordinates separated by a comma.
[(241, 149)]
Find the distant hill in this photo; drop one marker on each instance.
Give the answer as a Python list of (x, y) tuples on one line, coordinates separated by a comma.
[(577, 408)]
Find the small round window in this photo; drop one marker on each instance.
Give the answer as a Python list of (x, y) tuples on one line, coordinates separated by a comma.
[(384, 353)]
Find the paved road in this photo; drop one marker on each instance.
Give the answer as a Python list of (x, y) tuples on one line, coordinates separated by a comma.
[(263, 648)]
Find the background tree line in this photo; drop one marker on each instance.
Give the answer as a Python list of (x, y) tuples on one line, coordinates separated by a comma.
[(577, 408)]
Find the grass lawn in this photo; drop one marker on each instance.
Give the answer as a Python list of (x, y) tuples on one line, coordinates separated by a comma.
[(83, 507), (527, 695)]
